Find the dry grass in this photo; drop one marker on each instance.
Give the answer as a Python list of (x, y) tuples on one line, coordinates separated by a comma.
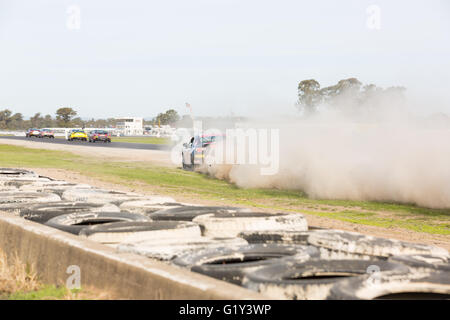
[(16, 276), (20, 281)]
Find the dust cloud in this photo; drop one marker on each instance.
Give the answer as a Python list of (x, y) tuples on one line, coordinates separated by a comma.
[(383, 154)]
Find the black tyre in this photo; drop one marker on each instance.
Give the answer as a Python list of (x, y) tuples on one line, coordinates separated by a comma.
[(231, 224), (310, 280), (43, 212), (141, 231), (424, 285), (8, 172), (75, 222), (187, 213), (21, 181), (423, 261), (58, 189), (356, 243), (15, 208), (169, 249), (276, 236), (99, 196), (231, 264)]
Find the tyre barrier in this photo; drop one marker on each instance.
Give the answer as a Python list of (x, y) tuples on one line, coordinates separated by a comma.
[(169, 249), (359, 244), (149, 205), (312, 279), (75, 222), (232, 263), (188, 213), (42, 212), (114, 233), (28, 197), (99, 196), (423, 261), (426, 284), (330, 264), (231, 224)]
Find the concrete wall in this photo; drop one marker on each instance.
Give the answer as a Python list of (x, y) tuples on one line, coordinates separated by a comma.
[(122, 275)]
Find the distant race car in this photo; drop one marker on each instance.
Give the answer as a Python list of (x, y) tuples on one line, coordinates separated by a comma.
[(32, 133), (99, 135), (77, 135), (46, 133), (193, 153)]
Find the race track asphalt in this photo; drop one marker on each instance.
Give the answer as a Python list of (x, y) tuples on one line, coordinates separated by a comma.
[(126, 145)]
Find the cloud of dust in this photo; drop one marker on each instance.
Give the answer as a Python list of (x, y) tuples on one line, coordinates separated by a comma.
[(386, 154)]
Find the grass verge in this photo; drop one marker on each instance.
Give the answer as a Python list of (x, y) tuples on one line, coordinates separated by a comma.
[(19, 281), (170, 181)]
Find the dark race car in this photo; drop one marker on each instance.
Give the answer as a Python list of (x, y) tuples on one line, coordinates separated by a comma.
[(193, 153), (99, 135)]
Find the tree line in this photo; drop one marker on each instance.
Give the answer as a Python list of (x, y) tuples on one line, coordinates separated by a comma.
[(348, 94), (66, 117)]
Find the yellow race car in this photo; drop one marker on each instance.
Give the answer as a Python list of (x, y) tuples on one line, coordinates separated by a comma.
[(77, 135)]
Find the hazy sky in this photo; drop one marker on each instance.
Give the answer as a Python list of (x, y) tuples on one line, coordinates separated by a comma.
[(245, 57)]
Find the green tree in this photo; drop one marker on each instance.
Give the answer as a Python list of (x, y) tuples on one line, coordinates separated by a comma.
[(168, 117), (64, 116), (309, 95), (5, 118)]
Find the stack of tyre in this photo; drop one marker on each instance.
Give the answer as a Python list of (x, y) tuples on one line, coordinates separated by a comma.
[(277, 255)]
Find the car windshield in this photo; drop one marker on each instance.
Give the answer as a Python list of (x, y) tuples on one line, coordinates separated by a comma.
[(210, 139)]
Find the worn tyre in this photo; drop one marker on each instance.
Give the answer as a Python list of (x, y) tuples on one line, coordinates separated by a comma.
[(169, 249), (42, 212), (75, 222), (149, 204), (113, 233), (30, 197), (231, 264), (276, 236), (99, 196), (231, 224), (356, 243), (10, 172), (310, 280), (21, 181), (188, 213), (424, 284), (59, 188), (423, 261)]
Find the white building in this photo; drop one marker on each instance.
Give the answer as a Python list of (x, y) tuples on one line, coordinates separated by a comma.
[(130, 126)]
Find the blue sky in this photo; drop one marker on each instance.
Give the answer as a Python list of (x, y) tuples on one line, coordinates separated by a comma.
[(245, 57)]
